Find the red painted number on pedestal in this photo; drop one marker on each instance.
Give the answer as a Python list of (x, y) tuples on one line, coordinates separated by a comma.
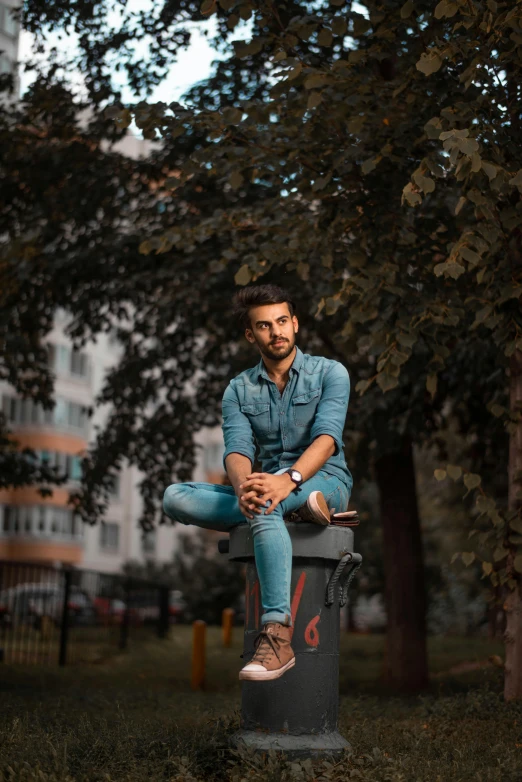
[(311, 632), (311, 635)]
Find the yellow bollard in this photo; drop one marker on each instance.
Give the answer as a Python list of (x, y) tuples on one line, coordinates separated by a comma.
[(227, 619), (199, 629)]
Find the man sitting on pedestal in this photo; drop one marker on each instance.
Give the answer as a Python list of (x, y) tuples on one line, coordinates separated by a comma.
[(292, 406)]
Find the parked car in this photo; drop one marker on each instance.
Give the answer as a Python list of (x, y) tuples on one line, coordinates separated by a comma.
[(28, 603), (112, 610), (177, 606)]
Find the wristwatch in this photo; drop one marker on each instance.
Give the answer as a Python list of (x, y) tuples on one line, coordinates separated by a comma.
[(297, 478)]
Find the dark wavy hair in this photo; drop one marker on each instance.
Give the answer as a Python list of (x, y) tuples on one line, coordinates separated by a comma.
[(257, 296)]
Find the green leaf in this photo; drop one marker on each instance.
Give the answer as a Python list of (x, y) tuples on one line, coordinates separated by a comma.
[(325, 37), (294, 73), (321, 182), (468, 146), (489, 169), (516, 524), (208, 7), (469, 255), (407, 9), (454, 471), (433, 127), (500, 553), (243, 49), (368, 165), (236, 179), (517, 180), (472, 480), (431, 384), (446, 8), (481, 315), (440, 474), (232, 115), (243, 275), (360, 24), (303, 270), (497, 410), (406, 340), (386, 381), (363, 385), (426, 184), (429, 63), (316, 80), (410, 196), (468, 557), (450, 269), (487, 567), (339, 25), (484, 504), (124, 119), (314, 99), (145, 248), (460, 203), (517, 563)]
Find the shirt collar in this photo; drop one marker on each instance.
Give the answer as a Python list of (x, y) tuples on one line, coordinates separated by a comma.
[(296, 365)]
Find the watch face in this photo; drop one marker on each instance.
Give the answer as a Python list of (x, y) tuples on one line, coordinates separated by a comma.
[(296, 476)]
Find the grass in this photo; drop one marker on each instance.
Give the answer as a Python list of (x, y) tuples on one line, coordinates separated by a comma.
[(132, 717)]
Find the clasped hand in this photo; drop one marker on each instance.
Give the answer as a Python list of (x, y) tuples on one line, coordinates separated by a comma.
[(261, 488)]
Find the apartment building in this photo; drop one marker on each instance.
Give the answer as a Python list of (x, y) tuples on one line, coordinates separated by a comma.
[(37, 529), (9, 40), (44, 529)]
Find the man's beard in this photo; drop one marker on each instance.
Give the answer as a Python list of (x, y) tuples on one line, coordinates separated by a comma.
[(278, 354)]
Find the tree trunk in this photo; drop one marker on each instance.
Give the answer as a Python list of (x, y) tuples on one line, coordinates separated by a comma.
[(406, 666), (513, 603)]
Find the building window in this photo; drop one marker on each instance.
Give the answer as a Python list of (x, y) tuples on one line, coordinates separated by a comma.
[(109, 536), (75, 468), (42, 521), (213, 457), (8, 23), (8, 512), (79, 364), (69, 362), (6, 66), (65, 414), (62, 359), (61, 412), (115, 488), (148, 542)]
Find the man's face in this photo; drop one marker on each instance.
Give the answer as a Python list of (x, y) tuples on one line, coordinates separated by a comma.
[(273, 330)]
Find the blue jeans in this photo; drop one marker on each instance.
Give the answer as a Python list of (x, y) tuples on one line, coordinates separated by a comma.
[(216, 507)]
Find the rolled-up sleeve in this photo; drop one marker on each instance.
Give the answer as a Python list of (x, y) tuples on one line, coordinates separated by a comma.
[(237, 431), (333, 405)]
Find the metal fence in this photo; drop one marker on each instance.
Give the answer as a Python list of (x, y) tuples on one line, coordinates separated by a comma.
[(58, 616)]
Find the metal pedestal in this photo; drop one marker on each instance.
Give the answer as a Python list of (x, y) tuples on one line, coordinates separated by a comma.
[(297, 714)]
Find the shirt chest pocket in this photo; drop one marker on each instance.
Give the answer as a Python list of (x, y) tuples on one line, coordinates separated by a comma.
[(259, 416), (305, 406)]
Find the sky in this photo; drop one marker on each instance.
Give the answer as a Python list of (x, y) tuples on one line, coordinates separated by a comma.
[(194, 64)]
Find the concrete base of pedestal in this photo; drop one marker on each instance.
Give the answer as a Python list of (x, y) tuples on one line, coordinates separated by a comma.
[(307, 745)]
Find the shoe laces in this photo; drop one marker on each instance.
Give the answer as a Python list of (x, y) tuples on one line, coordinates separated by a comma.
[(264, 645)]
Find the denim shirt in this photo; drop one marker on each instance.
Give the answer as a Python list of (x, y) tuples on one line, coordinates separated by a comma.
[(314, 402)]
